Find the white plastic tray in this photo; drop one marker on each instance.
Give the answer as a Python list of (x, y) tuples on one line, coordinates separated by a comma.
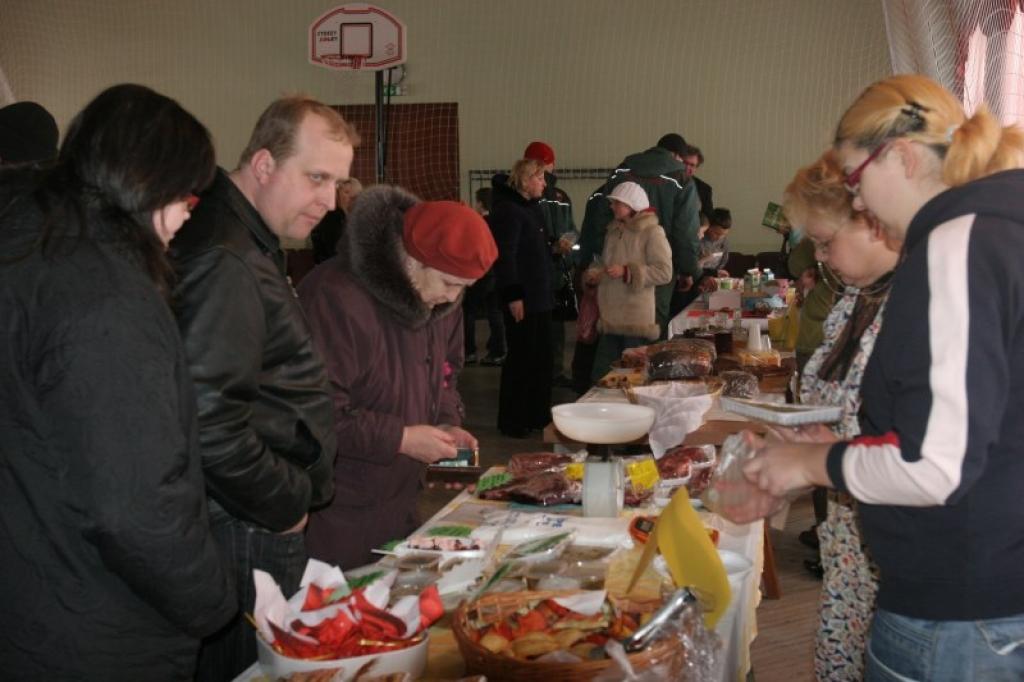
[(783, 414)]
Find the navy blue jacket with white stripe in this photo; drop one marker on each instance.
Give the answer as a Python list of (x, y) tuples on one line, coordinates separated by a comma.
[(940, 467)]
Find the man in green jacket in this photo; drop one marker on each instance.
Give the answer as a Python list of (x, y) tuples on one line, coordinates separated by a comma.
[(673, 196)]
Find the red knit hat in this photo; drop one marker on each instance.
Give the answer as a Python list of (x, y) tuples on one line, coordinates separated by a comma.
[(450, 237), (538, 151)]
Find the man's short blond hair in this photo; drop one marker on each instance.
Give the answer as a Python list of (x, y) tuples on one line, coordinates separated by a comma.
[(276, 128)]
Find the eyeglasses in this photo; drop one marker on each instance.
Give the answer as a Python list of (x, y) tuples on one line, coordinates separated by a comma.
[(823, 247), (852, 180), (191, 201)]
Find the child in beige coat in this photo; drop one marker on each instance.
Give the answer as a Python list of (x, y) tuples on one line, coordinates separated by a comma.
[(636, 258)]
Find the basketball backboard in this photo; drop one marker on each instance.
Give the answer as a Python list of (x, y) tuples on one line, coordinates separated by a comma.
[(357, 37)]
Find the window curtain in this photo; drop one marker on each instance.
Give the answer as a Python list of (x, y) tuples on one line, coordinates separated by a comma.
[(6, 94), (975, 48)]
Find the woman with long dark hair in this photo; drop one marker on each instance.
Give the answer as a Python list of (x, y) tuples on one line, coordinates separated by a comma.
[(109, 569)]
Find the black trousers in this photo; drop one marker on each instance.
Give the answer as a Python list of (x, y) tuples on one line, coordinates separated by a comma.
[(487, 305), (225, 654), (524, 400)]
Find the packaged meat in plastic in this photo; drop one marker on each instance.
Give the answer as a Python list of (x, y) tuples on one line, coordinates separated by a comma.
[(739, 384), (637, 496), (545, 488), (682, 460), (523, 463)]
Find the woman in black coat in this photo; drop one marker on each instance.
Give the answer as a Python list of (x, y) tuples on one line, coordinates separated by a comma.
[(109, 569), (523, 271)]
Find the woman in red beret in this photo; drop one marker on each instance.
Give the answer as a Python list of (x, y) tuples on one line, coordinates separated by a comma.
[(386, 315)]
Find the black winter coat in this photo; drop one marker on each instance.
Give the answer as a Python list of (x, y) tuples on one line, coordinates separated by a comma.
[(265, 415), (523, 268), (108, 570)]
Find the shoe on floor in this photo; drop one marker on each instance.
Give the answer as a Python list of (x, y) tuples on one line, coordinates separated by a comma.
[(815, 568), (492, 361), (809, 537), (470, 359)]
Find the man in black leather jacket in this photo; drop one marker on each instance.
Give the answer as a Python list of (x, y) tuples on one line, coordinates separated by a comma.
[(265, 412)]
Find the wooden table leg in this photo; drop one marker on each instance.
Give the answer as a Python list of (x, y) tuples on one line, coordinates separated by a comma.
[(769, 574)]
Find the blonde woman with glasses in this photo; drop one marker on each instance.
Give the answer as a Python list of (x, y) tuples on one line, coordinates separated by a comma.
[(851, 248), (939, 466)]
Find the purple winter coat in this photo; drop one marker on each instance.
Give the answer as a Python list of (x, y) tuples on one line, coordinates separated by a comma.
[(385, 352)]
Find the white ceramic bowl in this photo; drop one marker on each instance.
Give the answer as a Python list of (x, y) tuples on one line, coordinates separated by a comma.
[(603, 423), (412, 660)]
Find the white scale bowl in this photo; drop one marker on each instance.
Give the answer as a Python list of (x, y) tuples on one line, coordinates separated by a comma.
[(603, 423)]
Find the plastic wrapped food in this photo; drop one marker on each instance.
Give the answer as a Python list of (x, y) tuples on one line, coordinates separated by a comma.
[(685, 344), (683, 460), (681, 363), (524, 463), (635, 358), (545, 488), (637, 496), (739, 384)]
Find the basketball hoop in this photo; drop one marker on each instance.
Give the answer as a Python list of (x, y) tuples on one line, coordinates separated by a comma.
[(357, 38)]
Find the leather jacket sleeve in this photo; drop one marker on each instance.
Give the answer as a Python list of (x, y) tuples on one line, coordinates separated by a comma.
[(224, 327)]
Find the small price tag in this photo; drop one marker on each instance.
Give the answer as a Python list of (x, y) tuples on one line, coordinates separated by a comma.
[(643, 474)]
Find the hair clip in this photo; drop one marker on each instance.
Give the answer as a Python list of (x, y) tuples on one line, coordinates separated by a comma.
[(914, 110)]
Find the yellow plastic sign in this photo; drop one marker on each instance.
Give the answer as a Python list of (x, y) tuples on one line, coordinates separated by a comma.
[(692, 558)]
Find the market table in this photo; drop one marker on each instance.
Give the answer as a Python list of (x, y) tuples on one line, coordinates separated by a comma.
[(737, 629)]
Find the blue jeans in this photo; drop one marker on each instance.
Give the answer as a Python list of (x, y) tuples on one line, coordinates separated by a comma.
[(902, 649), (609, 349), (231, 650)]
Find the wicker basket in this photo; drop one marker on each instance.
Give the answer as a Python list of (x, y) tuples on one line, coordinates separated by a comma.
[(492, 608)]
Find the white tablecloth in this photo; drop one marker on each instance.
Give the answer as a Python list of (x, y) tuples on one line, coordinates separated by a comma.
[(681, 322)]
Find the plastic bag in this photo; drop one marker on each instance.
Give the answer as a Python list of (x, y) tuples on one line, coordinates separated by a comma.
[(586, 323), (732, 495), (739, 384), (679, 409), (565, 309), (525, 463), (696, 656), (681, 359)]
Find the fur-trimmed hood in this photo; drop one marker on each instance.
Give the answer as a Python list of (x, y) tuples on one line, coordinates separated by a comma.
[(642, 220), (375, 255)]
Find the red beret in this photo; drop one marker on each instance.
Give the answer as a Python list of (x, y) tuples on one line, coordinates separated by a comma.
[(450, 237), (538, 151)]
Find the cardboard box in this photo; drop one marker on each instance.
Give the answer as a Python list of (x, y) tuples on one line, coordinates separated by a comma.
[(717, 300)]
